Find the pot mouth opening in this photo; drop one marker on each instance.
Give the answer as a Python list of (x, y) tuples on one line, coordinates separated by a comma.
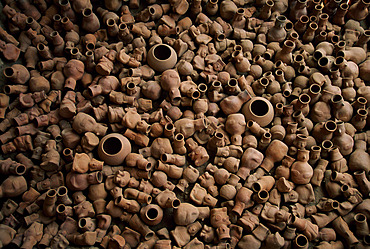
[(112, 146), (51, 193), (316, 89), (62, 191), (263, 194), (302, 240), (176, 203), (151, 10), (289, 26), (362, 112), (110, 22), (87, 12), (63, 2), (7, 89), (152, 213), (327, 144), (90, 46), (259, 108), (82, 223), (162, 52), (315, 148), (202, 87), (323, 61), (331, 126), (305, 98), (67, 152), (304, 19), (8, 72), (65, 20), (149, 235), (61, 208), (29, 20), (20, 170), (57, 17), (179, 137), (360, 217)]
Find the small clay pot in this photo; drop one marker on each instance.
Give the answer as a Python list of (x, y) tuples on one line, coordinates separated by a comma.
[(260, 110), (151, 214), (161, 57), (114, 148)]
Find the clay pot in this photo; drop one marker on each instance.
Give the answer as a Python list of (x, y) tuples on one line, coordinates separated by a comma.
[(358, 11), (114, 148), (259, 110), (277, 33), (151, 214), (17, 74), (186, 214), (301, 171), (275, 152), (170, 81), (73, 70), (343, 140), (13, 186), (251, 159), (161, 57), (359, 159)]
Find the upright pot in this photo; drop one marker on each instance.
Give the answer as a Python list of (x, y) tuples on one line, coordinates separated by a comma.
[(259, 110), (161, 57), (114, 148)]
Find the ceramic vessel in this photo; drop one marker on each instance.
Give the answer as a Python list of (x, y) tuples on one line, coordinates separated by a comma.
[(114, 148), (260, 110), (161, 57)]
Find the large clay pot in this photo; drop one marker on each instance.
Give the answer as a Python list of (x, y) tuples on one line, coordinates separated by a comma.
[(114, 148), (259, 110), (161, 57)]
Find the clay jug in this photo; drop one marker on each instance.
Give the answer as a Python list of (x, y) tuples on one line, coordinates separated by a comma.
[(359, 159), (343, 140), (233, 104), (285, 54), (161, 57), (277, 33), (114, 148), (260, 110), (301, 172), (275, 152), (297, 9), (235, 126), (359, 10), (90, 22)]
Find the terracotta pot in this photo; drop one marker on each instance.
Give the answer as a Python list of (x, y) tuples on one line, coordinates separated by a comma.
[(358, 11), (151, 214), (259, 110), (114, 148), (277, 33), (161, 57), (275, 152)]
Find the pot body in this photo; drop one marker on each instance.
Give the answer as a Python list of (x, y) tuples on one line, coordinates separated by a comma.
[(161, 57), (114, 148), (259, 110)]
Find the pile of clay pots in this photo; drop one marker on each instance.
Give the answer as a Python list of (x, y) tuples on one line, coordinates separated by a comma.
[(185, 124)]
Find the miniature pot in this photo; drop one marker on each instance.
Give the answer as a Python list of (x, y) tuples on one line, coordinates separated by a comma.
[(161, 57), (259, 110), (114, 148)]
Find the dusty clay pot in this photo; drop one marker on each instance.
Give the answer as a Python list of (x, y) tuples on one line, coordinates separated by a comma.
[(259, 110), (161, 57), (114, 148)]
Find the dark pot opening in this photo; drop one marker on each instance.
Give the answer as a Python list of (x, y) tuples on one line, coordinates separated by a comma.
[(152, 213), (259, 108), (302, 241), (112, 145), (162, 52)]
